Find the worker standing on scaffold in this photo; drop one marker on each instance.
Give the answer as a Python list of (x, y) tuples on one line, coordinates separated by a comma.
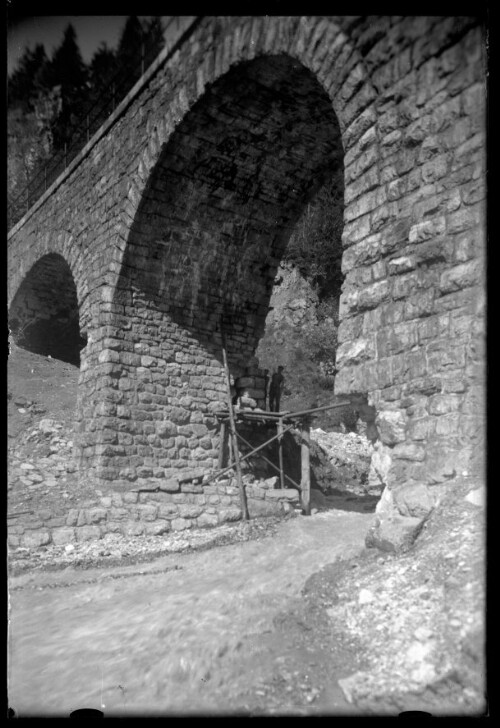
[(276, 389)]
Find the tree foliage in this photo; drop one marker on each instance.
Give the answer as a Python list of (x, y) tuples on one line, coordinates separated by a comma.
[(139, 44), (315, 245), (29, 79), (67, 68), (315, 248), (86, 94), (155, 40), (131, 48), (321, 339), (103, 68), (68, 71)]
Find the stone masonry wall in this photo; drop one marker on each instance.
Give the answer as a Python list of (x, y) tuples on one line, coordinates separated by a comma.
[(203, 247), (179, 214), (179, 507), (413, 303), (413, 326)]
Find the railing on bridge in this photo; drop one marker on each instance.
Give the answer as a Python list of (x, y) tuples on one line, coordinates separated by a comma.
[(82, 129)]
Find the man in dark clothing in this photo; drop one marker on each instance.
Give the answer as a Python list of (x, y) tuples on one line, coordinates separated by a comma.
[(266, 384), (275, 390)]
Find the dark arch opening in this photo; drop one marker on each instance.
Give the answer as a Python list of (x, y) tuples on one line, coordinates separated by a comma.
[(203, 250), (44, 314), (224, 198)]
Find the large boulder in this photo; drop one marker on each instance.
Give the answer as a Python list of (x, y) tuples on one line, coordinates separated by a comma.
[(414, 500), (399, 517), (396, 533)]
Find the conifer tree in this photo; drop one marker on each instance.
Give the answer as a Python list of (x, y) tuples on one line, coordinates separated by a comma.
[(154, 38), (68, 71), (102, 68), (29, 78), (130, 50), (102, 72), (67, 68)]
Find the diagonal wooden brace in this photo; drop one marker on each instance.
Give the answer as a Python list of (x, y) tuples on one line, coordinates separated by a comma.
[(269, 462), (249, 454)]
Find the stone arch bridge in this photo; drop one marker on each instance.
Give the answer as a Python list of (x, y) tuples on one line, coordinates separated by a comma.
[(177, 212)]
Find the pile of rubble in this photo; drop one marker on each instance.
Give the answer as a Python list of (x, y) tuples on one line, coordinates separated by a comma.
[(419, 617), (116, 548), (41, 465), (342, 461)]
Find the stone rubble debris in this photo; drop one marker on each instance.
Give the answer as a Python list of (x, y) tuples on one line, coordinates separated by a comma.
[(117, 547), (347, 466)]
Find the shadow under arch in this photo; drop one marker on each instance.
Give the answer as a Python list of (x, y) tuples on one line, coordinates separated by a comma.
[(222, 201), (44, 315), (215, 217)]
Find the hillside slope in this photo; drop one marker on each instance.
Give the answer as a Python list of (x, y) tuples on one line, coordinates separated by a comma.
[(291, 326)]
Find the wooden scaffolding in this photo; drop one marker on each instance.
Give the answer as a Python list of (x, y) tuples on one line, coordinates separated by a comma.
[(285, 421)]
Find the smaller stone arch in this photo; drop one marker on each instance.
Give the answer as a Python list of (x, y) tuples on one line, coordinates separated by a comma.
[(44, 315)]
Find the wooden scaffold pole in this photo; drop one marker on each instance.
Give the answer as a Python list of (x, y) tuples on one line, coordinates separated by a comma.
[(219, 473), (232, 426), (222, 446), (305, 483), (280, 452)]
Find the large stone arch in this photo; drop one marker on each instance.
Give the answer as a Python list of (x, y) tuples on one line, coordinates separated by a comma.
[(409, 110), (132, 439), (409, 98), (58, 247), (45, 311), (317, 43), (210, 225)]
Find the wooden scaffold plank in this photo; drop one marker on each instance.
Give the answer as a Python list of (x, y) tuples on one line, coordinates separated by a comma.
[(305, 483), (243, 499), (280, 451)]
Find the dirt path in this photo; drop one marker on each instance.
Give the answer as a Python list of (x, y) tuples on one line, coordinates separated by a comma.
[(205, 631)]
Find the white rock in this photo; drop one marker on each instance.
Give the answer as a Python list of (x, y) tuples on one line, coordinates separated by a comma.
[(348, 684), (365, 596), (424, 673), (419, 651), (69, 548), (422, 633), (47, 425), (27, 466), (477, 497)]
